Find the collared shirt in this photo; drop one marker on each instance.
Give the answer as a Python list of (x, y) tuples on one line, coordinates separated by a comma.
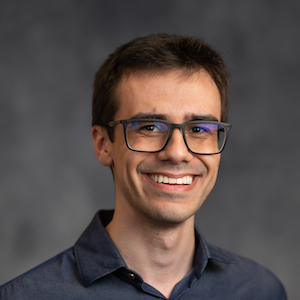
[(94, 269)]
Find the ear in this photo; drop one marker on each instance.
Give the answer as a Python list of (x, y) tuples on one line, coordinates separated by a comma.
[(102, 145)]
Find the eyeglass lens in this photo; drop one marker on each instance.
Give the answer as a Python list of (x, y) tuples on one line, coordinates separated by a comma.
[(205, 138)]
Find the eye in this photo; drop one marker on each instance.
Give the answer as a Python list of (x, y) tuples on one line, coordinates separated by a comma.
[(161, 126), (200, 128), (154, 127), (148, 126)]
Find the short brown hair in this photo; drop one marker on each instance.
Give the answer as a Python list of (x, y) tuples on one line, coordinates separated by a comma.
[(155, 53)]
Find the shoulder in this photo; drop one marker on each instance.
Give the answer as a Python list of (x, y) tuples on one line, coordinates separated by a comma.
[(59, 270), (243, 275)]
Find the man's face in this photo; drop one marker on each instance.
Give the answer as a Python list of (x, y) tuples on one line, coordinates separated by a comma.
[(178, 99)]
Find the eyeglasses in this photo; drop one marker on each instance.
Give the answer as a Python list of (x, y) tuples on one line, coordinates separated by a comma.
[(153, 135)]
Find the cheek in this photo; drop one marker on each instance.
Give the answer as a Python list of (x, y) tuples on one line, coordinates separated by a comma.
[(215, 170), (212, 163), (124, 165)]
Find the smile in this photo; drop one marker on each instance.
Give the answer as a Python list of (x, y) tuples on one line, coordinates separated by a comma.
[(165, 179)]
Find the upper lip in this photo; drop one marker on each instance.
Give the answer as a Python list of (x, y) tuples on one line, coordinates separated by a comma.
[(171, 175), (172, 171)]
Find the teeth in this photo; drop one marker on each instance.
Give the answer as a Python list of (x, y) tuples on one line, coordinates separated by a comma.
[(179, 181), (165, 179), (160, 178)]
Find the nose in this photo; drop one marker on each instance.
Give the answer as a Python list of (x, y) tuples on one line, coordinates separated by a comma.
[(176, 150)]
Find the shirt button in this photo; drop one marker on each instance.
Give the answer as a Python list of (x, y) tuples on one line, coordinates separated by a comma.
[(131, 276)]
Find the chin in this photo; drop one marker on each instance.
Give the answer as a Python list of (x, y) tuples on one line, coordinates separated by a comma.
[(169, 216)]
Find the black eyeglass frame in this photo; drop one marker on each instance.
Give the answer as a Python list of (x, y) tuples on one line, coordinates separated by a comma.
[(182, 126)]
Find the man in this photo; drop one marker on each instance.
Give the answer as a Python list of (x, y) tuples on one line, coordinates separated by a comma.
[(160, 122)]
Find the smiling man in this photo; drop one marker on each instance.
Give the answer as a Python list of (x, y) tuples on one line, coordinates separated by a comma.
[(160, 123)]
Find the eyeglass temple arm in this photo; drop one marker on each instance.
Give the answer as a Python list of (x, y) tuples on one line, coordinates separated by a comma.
[(113, 123)]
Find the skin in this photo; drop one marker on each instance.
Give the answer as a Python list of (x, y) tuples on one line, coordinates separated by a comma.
[(153, 224)]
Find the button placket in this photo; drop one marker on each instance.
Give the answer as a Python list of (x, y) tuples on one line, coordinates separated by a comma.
[(131, 276)]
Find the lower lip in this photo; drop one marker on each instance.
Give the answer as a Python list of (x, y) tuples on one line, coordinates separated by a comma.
[(178, 188)]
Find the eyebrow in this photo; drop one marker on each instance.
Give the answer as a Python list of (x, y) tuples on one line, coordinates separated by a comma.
[(190, 117), (149, 116), (206, 117)]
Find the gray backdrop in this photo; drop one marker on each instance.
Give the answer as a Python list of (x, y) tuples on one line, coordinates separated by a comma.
[(51, 184)]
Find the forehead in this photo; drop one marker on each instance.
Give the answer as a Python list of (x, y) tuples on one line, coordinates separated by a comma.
[(171, 94)]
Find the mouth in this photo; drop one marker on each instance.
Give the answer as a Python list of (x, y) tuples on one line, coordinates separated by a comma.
[(185, 180)]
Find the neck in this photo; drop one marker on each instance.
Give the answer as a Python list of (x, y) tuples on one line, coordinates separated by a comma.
[(161, 253)]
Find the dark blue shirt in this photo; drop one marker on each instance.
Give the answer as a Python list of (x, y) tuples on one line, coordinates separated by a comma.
[(94, 269)]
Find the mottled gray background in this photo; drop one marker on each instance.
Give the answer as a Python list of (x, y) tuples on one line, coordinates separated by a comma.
[(51, 184)]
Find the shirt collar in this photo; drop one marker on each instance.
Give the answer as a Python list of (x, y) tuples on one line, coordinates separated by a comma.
[(95, 253), (206, 253), (97, 256)]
